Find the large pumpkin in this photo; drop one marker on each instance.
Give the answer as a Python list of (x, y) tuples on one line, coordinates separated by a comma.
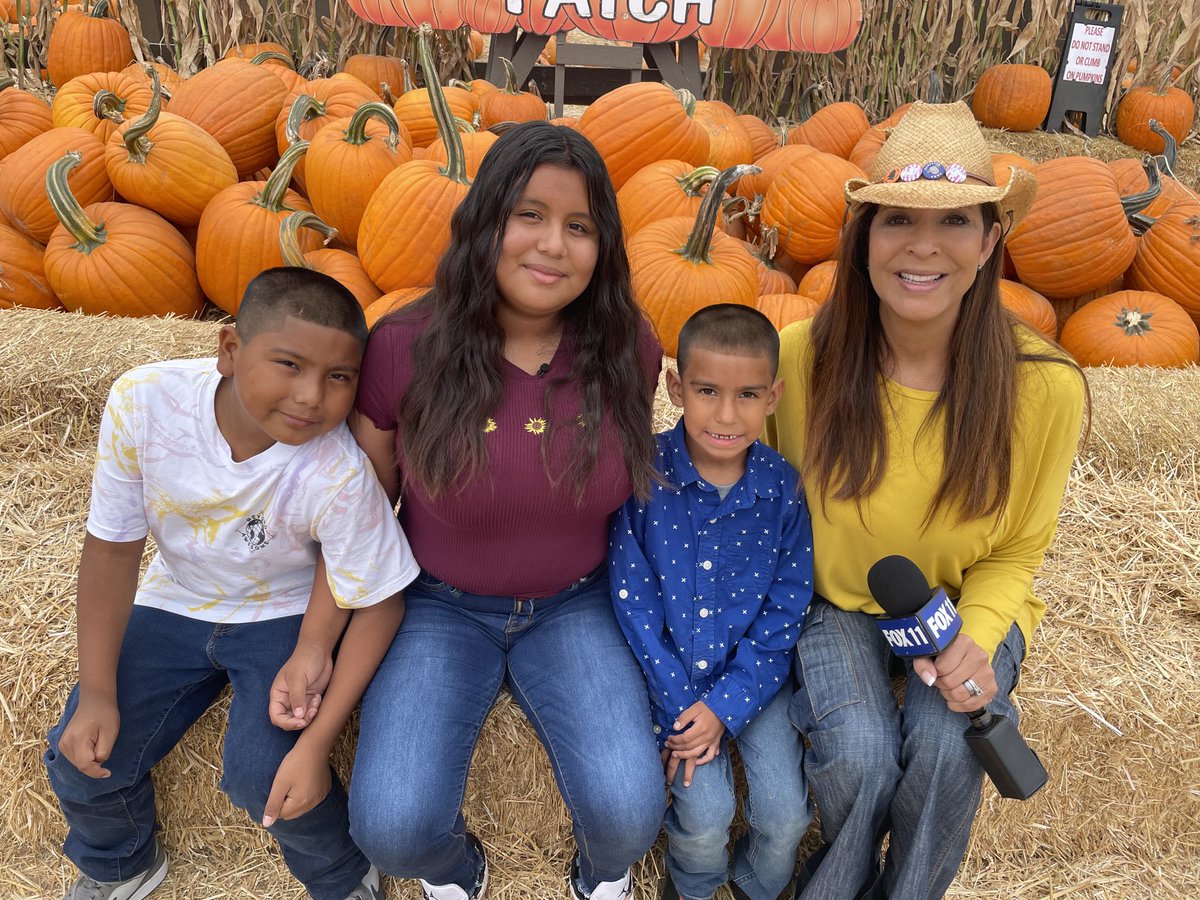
[(1171, 107), (378, 72), (321, 101), (347, 160), (168, 164), (661, 190), (680, 265), (99, 101), (237, 103), (1013, 96), (415, 110), (510, 104), (86, 42), (117, 258), (638, 124), (238, 235), (1029, 306), (398, 249), (339, 265), (835, 129), (1076, 237), (1167, 259), (807, 203), (784, 309), (23, 197), (1132, 328), (23, 116)]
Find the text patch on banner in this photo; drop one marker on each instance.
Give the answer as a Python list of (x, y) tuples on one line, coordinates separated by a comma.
[(1088, 53)]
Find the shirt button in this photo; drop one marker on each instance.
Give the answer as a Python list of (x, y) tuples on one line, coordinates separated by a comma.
[(712, 521), (657, 729), (706, 565), (622, 593), (704, 613), (702, 665)]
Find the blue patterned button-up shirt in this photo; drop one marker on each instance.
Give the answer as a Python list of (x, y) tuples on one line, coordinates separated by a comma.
[(711, 593)]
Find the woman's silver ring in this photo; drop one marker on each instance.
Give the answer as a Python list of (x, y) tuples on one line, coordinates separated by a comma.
[(971, 686)]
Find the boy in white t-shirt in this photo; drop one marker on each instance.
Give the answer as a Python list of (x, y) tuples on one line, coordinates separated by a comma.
[(246, 475)]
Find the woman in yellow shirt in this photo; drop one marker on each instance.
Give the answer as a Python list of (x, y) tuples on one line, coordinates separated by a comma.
[(926, 422)]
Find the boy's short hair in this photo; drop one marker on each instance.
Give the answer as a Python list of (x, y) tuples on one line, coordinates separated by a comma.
[(729, 328), (309, 296)]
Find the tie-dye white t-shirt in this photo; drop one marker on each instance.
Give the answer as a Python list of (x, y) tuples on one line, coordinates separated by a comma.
[(237, 541)]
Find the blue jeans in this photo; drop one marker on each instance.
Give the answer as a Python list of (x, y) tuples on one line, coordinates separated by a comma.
[(571, 671), (698, 819), (875, 768), (170, 670)]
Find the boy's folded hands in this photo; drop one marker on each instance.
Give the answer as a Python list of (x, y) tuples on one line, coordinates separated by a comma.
[(88, 738), (301, 782), (295, 693), (697, 741)]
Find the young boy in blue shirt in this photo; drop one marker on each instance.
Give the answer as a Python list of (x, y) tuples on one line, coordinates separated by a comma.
[(711, 579), (243, 470)]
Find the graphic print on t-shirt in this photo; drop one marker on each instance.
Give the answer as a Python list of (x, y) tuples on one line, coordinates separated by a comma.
[(254, 531)]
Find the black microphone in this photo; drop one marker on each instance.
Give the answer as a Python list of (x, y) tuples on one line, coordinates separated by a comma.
[(918, 619), (542, 370)]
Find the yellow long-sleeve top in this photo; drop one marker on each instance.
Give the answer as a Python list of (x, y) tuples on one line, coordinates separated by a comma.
[(987, 565)]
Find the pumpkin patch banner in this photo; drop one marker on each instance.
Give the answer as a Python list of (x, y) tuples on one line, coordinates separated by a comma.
[(813, 26)]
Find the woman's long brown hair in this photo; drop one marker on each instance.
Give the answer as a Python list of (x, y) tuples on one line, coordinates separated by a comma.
[(846, 450), (458, 358)]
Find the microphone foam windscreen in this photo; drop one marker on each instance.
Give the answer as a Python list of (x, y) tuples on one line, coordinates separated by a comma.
[(898, 585)]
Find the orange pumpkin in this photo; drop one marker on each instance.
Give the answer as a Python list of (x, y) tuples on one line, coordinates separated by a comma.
[(116, 258), (475, 145), (23, 116), (1029, 306), (1132, 328), (680, 265), (238, 235), (415, 110), (1167, 260), (638, 124), (86, 42), (22, 273), (755, 186), (729, 143), (398, 249), (280, 66), (663, 189), (1171, 107), (392, 301), (1013, 96), (864, 152), (510, 104), (321, 101), (834, 129), (783, 309), (762, 139), (168, 78), (168, 164), (237, 103), (339, 265), (379, 73), (1076, 237), (818, 281), (807, 202), (23, 197), (1003, 162), (248, 52), (1134, 176), (99, 101), (348, 158)]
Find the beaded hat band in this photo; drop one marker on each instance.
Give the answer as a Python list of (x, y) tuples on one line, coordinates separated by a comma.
[(936, 158)]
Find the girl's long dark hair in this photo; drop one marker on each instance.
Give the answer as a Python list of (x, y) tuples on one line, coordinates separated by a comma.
[(457, 372), (846, 448)]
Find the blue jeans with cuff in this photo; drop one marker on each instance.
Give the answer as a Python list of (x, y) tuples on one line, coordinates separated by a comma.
[(572, 673), (777, 806), (876, 768), (170, 671)]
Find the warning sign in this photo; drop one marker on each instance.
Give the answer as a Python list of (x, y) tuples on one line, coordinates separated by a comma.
[(1087, 53)]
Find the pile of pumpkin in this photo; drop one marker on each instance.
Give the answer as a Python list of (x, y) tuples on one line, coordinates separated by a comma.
[(247, 165)]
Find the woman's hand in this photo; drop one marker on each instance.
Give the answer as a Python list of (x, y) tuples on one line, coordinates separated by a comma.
[(963, 659)]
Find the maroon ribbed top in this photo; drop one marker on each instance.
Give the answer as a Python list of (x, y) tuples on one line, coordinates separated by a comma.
[(508, 532)]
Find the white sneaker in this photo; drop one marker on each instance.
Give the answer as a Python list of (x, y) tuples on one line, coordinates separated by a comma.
[(453, 891), (368, 888), (135, 888), (621, 889)]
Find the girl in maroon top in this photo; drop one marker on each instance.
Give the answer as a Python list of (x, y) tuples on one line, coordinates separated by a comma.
[(511, 409)]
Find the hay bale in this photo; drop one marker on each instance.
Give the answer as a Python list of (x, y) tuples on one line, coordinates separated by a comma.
[(1108, 694)]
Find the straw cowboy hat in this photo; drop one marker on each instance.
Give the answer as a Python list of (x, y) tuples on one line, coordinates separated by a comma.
[(936, 158)]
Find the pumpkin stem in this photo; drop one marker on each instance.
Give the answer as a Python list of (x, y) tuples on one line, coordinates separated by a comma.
[(107, 105), (88, 234), (805, 104), (304, 108), (936, 91), (289, 243), (6, 81), (765, 250), (688, 99), (464, 126), (700, 240), (381, 40), (1170, 148), (136, 142), (456, 160), (693, 181), (273, 54), (356, 131), (510, 78), (100, 10), (1134, 322), (408, 82), (275, 191), (385, 90), (1135, 203)]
